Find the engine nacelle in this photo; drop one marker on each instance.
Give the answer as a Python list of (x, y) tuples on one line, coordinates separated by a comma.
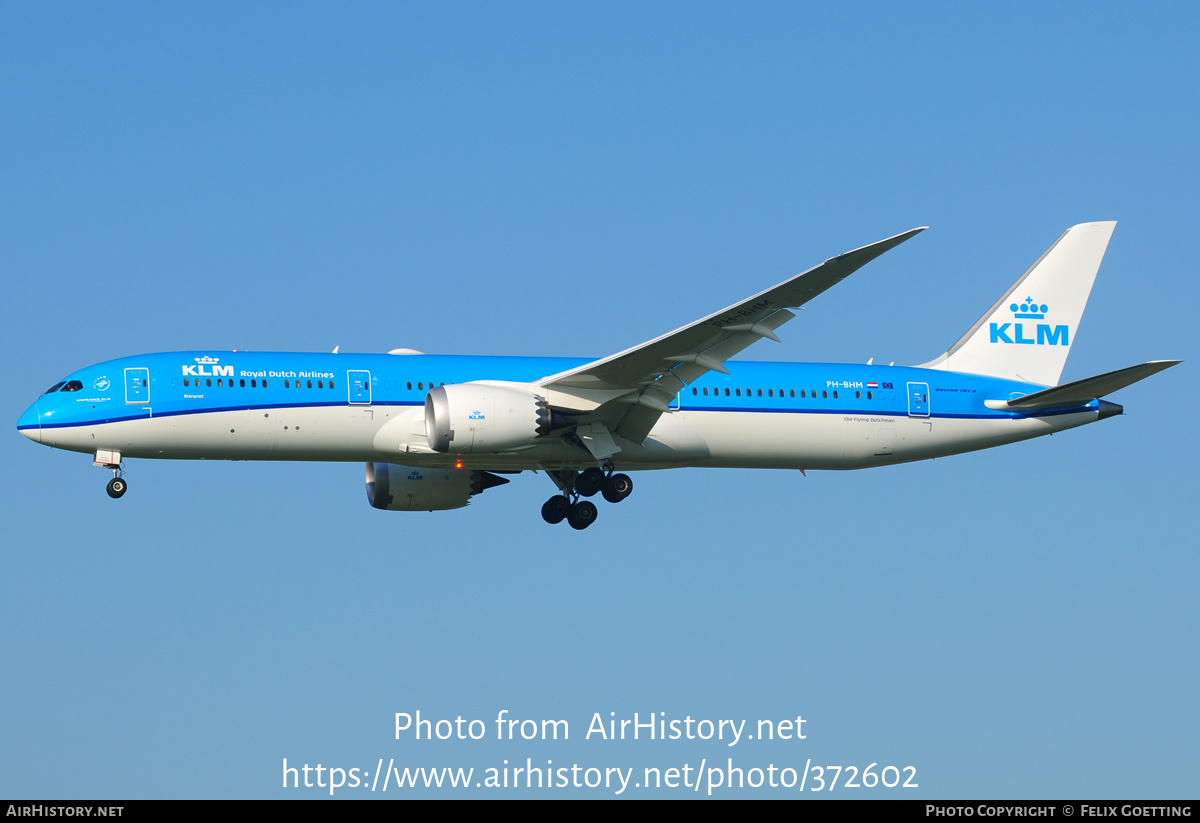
[(405, 489), (485, 418)]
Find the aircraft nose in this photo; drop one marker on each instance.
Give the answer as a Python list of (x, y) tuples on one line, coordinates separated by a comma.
[(30, 423)]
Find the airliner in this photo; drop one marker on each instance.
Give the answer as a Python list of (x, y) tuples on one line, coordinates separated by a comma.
[(435, 430)]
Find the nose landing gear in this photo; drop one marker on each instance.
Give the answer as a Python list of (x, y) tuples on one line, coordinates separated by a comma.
[(117, 487), (112, 460)]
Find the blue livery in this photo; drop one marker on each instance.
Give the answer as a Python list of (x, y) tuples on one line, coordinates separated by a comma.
[(435, 430)]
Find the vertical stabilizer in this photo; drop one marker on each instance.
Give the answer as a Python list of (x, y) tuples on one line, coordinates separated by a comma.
[(1027, 335)]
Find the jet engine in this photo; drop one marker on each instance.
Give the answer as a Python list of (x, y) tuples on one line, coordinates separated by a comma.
[(485, 418), (406, 489)]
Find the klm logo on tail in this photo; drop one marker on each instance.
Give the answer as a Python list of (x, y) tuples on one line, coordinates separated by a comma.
[(1045, 334)]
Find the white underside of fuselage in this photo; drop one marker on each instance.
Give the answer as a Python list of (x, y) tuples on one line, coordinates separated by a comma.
[(396, 434)]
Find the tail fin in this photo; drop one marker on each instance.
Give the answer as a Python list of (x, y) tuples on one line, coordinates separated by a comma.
[(1028, 333)]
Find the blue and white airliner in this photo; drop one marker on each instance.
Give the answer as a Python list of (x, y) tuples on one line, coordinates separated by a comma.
[(434, 430)]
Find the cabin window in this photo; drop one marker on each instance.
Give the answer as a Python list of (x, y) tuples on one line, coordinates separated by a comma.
[(185, 382), (868, 395), (320, 384), (242, 384), (208, 382), (264, 384), (835, 394), (310, 384), (824, 393), (793, 394), (739, 392), (331, 384), (287, 384), (254, 384), (858, 395), (770, 392)]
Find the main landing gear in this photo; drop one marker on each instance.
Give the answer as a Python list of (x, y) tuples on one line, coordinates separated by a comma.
[(575, 485)]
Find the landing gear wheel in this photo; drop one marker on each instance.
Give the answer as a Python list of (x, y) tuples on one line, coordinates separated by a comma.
[(556, 509), (590, 481), (117, 487), (617, 487), (582, 514)]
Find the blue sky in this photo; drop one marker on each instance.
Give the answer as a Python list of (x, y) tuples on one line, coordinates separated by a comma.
[(548, 180)]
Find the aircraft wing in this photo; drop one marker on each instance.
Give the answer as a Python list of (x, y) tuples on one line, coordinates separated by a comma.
[(628, 391)]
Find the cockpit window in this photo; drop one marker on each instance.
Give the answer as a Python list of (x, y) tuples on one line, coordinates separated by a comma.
[(55, 387), (74, 385)]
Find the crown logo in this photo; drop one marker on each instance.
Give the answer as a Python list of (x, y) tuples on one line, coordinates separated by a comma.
[(1029, 309), (207, 359)]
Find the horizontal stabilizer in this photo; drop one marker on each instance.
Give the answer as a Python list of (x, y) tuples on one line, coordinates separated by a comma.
[(1082, 392)]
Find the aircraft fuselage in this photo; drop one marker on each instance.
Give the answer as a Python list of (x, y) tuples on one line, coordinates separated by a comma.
[(369, 407)]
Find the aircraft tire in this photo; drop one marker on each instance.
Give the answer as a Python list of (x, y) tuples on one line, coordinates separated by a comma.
[(589, 481), (617, 488), (117, 487), (582, 515), (556, 509)]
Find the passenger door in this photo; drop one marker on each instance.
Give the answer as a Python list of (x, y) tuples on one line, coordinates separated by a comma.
[(359, 383)]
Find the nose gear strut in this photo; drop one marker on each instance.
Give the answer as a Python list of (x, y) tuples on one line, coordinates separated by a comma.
[(112, 460)]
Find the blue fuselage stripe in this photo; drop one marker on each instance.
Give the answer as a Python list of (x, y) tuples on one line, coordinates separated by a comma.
[(112, 392)]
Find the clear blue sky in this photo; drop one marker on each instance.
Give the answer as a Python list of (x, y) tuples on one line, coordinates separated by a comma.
[(570, 180)]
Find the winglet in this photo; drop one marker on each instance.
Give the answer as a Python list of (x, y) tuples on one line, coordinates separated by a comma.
[(875, 249)]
